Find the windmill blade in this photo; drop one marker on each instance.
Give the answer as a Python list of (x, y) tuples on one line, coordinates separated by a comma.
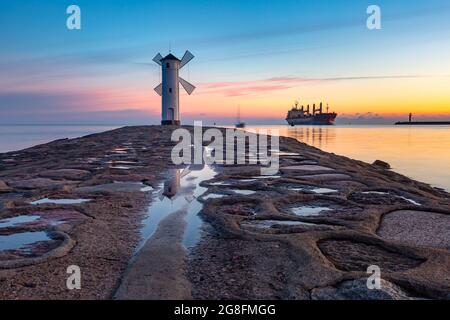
[(158, 89), (187, 86), (158, 58), (186, 58)]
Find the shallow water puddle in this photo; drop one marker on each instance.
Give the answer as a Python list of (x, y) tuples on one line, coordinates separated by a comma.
[(305, 211), (284, 154), (114, 162), (244, 192), (16, 221), (220, 183), (247, 180), (267, 177), (214, 196), (146, 189), (375, 192), (324, 190), (59, 201), (266, 224), (318, 190), (22, 241), (387, 193), (410, 201), (180, 192)]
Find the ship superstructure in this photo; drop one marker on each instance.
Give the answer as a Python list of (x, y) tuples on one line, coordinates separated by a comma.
[(303, 116)]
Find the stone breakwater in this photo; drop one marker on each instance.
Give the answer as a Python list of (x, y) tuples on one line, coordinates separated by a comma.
[(308, 232)]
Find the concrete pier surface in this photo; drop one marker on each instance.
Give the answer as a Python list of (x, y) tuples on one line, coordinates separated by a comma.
[(140, 228)]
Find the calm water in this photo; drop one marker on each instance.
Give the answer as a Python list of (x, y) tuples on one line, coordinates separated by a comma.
[(419, 152), (422, 153), (19, 137)]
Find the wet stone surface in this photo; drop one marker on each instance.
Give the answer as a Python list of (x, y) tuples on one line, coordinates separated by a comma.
[(218, 232), (26, 244), (380, 198), (357, 256), (358, 290), (417, 228)]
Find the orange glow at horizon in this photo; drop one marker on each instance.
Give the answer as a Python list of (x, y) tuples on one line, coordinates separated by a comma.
[(384, 97), (272, 98)]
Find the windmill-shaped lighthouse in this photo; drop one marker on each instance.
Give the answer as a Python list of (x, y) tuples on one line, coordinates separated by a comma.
[(169, 89)]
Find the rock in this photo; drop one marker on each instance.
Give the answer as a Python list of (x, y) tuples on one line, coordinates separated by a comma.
[(4, 188), (70, 174), (357, 290), (325, 177), (417, 228), (349, 255), (307, 167), (382, 164), (38, 183), (112, 188)]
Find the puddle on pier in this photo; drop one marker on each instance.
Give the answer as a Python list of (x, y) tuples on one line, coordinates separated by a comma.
[(244, 192), (410, 201), (267, 224), (375, 192), (247, 180), (22, 241), (324, 190), (387, 194), (59, 201), (17, 221), (179, 192), (267, 177), (308, 188), (114, 162), (220, 183), (306, 211), (315, 190), (214, 196)]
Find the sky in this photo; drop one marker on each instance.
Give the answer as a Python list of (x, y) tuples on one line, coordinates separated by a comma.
[(261, 55)]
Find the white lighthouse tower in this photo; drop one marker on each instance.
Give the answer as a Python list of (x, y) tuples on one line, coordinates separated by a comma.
[(169, 89)]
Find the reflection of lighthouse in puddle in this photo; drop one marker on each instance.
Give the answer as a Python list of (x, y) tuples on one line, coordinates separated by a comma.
[(173, 183), (179, 193)]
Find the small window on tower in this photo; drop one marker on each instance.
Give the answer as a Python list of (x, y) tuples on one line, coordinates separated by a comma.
[(170, 90), (167, 65)]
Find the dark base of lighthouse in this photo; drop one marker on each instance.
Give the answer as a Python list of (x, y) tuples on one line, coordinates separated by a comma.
[(170, 122)]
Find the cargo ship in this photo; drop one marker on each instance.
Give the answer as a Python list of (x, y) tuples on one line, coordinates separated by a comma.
[(301, 116)]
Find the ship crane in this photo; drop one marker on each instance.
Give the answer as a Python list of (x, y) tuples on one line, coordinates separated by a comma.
[(298, 116)]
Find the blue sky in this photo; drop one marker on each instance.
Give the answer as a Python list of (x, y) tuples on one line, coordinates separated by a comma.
[(103, 72)]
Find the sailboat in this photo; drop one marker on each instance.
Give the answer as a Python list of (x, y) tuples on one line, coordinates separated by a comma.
[(239, 123)]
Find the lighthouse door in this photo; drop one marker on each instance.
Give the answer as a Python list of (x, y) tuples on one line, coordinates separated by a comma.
[(170, 115)]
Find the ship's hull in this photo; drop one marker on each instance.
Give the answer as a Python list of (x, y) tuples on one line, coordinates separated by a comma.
[(323, 119)]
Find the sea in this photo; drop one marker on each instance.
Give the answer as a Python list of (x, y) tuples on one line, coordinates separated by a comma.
[(419, 152)]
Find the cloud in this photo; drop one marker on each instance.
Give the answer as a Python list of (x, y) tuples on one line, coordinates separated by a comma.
[(243, 88)]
